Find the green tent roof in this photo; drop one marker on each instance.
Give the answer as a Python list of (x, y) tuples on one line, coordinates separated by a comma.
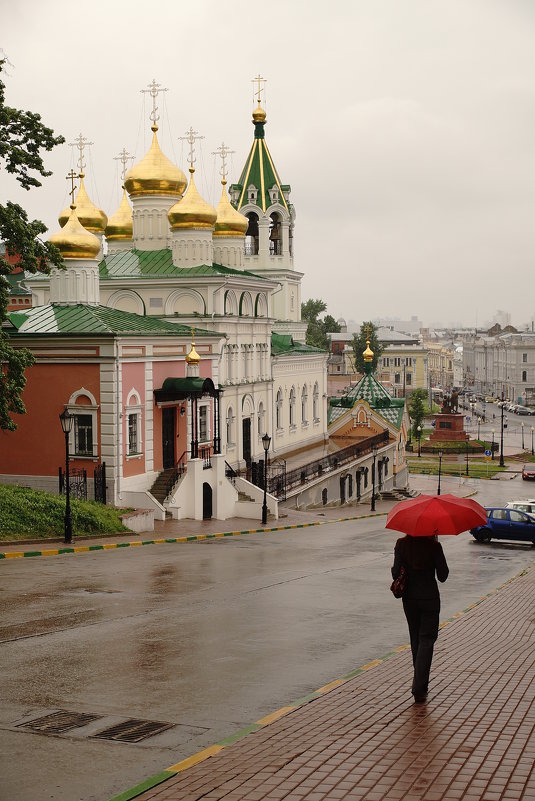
[(90, 320), (260, 171), (372, 391)]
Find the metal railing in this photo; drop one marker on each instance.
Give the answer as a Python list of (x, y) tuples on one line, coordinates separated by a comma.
[(230, 473), (178, 472), (307, 472), (205, 453)]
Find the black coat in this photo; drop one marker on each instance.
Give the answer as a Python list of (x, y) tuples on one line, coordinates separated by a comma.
[(422, 558)]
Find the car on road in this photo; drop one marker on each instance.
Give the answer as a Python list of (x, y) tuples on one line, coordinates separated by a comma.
[(523, 410), (523, 506), (506, 524), (528, 472)]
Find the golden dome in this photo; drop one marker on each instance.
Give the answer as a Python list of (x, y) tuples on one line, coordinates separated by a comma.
[(120, 224), (90, 216), (73, 241), (259, 115), (155, 174), (193, 357), (229, 221), (192, 211), (368, 353)]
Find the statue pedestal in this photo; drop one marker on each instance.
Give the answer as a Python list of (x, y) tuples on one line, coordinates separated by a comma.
[(448, 427)]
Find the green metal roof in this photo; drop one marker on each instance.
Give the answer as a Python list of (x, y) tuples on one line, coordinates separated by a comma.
[(260, 171), (284, 344), (158, 264), (180, 388), (93, 320), (379, 399)]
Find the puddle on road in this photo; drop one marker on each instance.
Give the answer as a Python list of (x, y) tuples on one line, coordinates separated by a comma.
[(45, 625)]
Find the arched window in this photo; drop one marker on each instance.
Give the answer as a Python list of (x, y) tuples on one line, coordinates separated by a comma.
[(251, 237), (134, 430), (278, 409), (315, 403), (230, 426), (304, 405), (261, 424), (275, 235), (292, 407), (83, 438)]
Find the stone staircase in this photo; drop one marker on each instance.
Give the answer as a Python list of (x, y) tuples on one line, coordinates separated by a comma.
[(159, 488), (398, 494)]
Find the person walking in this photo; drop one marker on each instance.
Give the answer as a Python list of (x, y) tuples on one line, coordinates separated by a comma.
[(424, 562)]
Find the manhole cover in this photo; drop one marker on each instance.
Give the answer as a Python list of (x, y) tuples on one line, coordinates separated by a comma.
[(132, 731), (59, 722)]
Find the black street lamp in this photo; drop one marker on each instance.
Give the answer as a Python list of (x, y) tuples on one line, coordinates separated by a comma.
[(419, 430), (522, 429), (266, 442), (532, 440), (374, 451), (467, 441), (478, 427), (439, 470), (502, 463), (492, 448), (67, 419)]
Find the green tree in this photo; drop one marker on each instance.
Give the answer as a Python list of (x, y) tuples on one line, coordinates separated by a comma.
[(22, 139), (367, 331), (318, 328), (417, 410)]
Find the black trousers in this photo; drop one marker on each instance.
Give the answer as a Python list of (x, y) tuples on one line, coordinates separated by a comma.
[(423, 618)]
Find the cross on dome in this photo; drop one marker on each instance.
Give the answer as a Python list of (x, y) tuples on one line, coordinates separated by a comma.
[(191, 137), (258, 91), (71, 177), (81, 143), (223, 151), (154, 90), (124, 157)]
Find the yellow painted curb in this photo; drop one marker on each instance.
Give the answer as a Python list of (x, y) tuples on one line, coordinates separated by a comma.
[(371, 664), (196, 758), (276, 715), (108, 546), (14, 554), (52, 552), (330, 686)]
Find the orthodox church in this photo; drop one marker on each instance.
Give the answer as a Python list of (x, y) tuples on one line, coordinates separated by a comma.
[(173, 336)]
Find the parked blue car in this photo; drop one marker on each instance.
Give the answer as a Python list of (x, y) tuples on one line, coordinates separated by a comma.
[(506, 524)]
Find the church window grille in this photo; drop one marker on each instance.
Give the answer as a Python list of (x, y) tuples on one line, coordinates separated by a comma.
[(304, 405), (204, 432), (278, 409), (292, 408), (524, 375), (315, 402), (83, 435)]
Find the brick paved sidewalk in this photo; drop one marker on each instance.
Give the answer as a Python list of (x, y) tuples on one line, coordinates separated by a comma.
[(474, 739)]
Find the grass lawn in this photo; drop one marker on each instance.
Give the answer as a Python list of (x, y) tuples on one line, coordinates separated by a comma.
[(477, 468), (33, 514)]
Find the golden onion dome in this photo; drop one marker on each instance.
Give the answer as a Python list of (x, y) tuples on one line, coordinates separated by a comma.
[(90, 216), (192, 211), (368, 353), (120, 225), (73, 241), (259, 115), (229, 221), (193, 357), (155, 174)]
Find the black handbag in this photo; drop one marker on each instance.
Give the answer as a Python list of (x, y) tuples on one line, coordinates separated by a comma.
[(399, 585)]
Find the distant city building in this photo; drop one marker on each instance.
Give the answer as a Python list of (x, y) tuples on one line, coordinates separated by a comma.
[(501, 363)]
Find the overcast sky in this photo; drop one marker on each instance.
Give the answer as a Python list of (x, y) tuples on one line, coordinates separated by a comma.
[(406, 129)]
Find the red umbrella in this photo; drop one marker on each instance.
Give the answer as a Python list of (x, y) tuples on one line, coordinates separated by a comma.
[(427, 515)]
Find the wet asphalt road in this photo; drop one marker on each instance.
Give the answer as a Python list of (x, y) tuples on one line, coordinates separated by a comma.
[(208, 636)]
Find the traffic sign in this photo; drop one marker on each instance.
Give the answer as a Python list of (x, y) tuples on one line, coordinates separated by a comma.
[(488, 453)]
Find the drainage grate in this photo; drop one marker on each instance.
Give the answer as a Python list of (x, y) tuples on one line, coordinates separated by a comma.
[(59, 722), (132, 731)]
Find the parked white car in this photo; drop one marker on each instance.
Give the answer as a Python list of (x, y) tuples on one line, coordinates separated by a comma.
[(522, 506)]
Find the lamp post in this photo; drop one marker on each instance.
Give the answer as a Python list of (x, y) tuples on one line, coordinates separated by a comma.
[(501, 440), (374, 451), (410, 431), (266, 441), (522, 429), (439, 470), (478, 427), (492, 447), (419, 430), (532, 440), (467, 449), (67, 419)]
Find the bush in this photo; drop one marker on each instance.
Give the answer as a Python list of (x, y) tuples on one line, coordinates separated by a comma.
[(34, 514)]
